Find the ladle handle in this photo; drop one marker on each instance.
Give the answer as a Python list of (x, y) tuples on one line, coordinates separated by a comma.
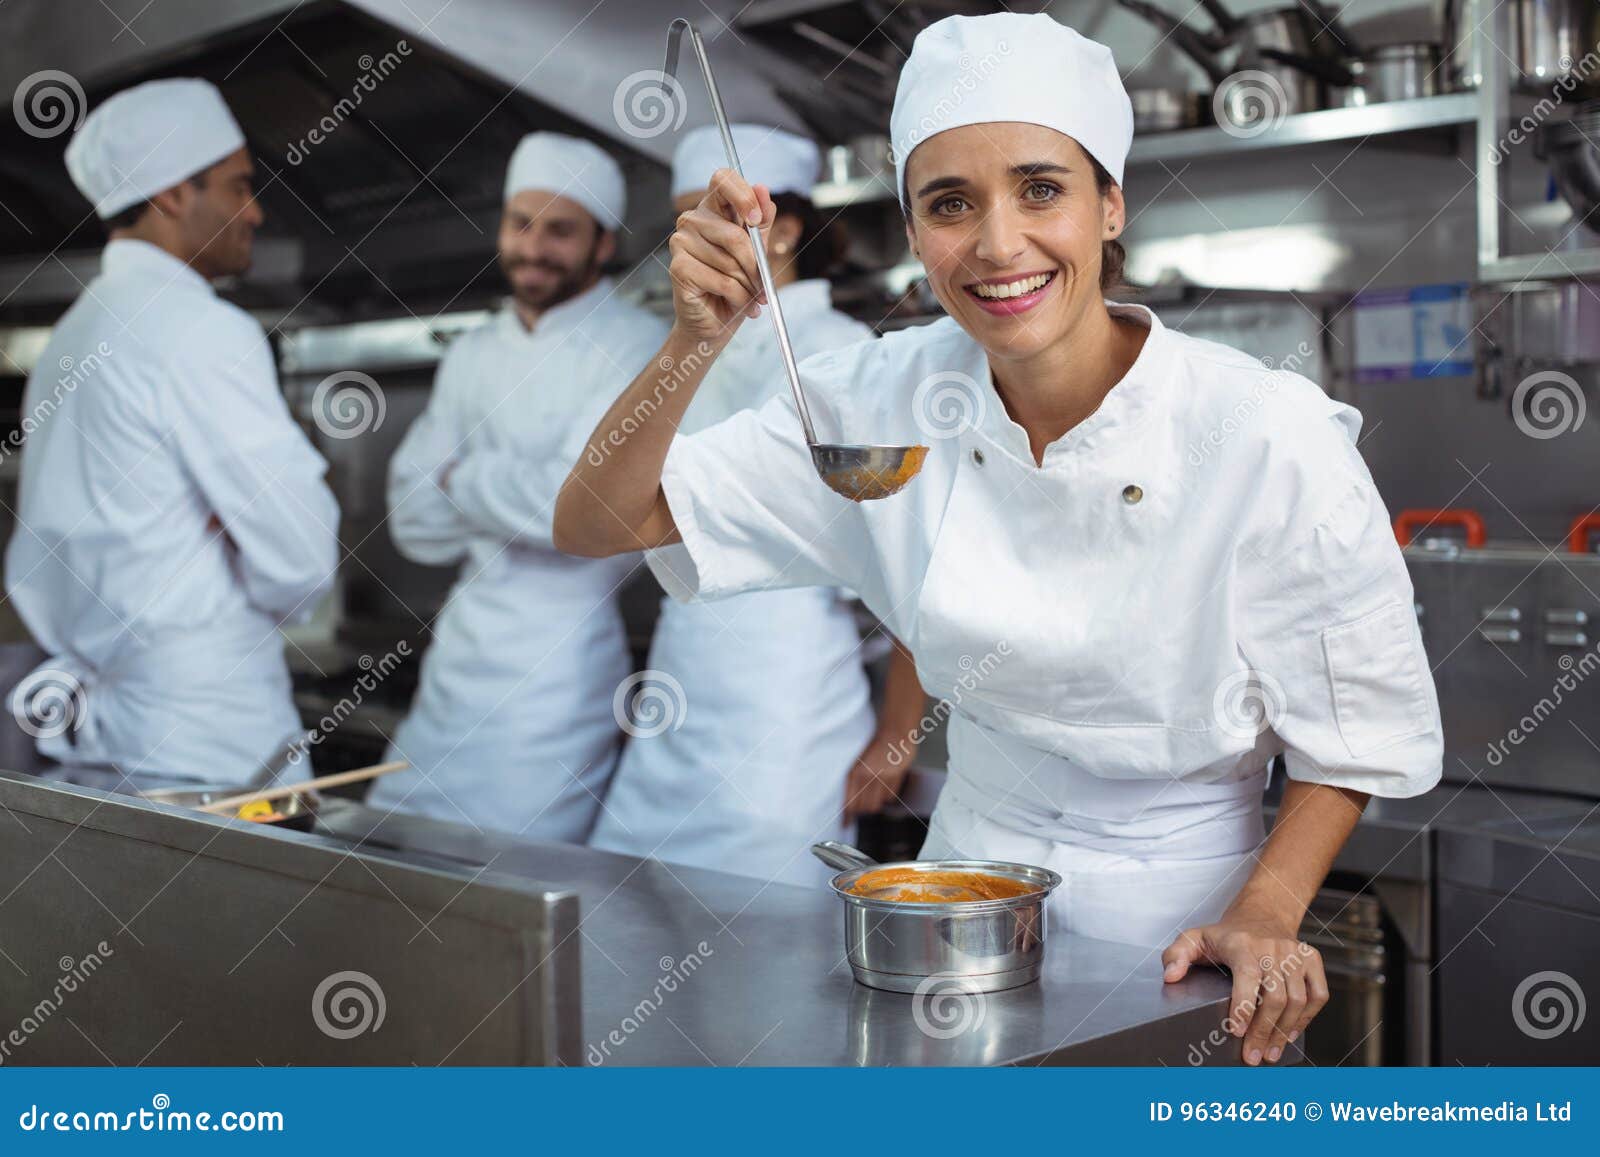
[(675, 32), (841, 857)]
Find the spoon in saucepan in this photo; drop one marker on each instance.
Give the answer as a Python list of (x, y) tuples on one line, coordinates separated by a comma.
[(859, 473), (843, 858)]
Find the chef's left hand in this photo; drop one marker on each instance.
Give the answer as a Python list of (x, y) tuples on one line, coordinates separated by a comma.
[(1278, 981), (874, 777)]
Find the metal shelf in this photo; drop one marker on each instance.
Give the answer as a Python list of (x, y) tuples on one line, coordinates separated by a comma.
[(860, 190), (1310, 128)]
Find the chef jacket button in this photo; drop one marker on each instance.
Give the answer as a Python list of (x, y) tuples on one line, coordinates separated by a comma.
[(1132, 493), (977, 457)]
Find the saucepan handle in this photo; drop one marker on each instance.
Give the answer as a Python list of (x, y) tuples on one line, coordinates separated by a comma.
[(841, 857)]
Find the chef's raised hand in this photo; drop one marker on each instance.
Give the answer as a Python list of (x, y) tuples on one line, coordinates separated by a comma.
[(1279, 984), (715, 282)]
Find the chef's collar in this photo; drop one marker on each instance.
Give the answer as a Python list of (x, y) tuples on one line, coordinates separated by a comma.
[(1125, 408), (128, 255), (558, 318)]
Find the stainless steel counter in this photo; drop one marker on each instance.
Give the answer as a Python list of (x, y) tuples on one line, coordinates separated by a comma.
[(689, 967)]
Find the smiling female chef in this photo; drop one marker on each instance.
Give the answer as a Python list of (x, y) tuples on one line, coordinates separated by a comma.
[(1105, 600)]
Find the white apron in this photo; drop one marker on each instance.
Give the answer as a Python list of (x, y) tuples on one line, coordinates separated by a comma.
[(512, 726), (776, 709), (1140, 860), (777, 705)]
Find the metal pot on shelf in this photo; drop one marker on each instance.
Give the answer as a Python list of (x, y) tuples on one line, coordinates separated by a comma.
[(1403, 71), (1548, 40), (1299, 55), (1165, 108)]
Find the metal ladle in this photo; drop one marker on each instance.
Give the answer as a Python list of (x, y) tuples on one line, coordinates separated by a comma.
[(859, 473)]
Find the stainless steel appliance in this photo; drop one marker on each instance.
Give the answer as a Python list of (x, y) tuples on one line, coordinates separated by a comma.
[(1513, 633), (239, 946), (1347, 929)]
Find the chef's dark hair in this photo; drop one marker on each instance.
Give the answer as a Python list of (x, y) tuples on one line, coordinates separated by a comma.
[(1112, 255), (131, 216), (823, 241)]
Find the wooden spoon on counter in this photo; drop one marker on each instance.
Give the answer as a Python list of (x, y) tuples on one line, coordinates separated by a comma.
[(233, 803)]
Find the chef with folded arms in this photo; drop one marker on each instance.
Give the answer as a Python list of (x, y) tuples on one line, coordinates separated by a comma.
[(513, 727), (777, 746), (171, 513), (1135, 636)]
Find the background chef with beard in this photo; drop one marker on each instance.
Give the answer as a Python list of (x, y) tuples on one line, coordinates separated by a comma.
[(512, 725)]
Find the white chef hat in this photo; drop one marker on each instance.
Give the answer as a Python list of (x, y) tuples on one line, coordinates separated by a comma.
[(146, 139), (973, 70), (572, 167), (782, 161)]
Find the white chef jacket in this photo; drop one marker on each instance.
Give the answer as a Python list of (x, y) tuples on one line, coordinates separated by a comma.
[(512, 727), (1209, 535), (776, 703), (156, 407)]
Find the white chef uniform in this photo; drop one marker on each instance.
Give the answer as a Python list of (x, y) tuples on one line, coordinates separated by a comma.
[(157, 408), (777, 705), (1101, 621), (512, 727)]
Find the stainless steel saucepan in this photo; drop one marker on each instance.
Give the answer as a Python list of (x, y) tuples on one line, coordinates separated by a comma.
[(983, 945)]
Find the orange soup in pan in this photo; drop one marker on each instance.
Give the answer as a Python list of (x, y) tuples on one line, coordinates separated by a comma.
[(906, 884)]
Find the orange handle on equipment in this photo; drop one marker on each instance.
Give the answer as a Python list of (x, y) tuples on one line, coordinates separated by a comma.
[(1580, 530), (1408, 522)]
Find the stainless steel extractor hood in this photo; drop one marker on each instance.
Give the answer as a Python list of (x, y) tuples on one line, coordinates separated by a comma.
[(381, 128)]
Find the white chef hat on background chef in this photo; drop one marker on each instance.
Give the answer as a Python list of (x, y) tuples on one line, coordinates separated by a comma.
[(572, 167), (146, 139), (973, 70), (782, 161)]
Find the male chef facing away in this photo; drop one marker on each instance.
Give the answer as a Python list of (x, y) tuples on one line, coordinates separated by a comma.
[(171, 513)]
